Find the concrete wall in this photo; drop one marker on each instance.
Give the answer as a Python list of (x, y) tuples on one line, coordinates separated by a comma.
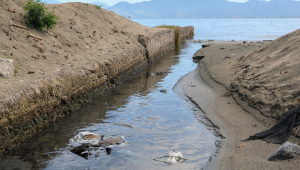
[(186, 32), (43, 101), (158, 44)]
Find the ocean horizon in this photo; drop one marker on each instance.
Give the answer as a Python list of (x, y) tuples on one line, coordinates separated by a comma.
[(227, 29)]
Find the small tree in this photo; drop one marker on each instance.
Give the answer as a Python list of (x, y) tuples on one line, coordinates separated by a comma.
[(36, 15)]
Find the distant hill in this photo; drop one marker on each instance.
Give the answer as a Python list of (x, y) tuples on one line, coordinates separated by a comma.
[(207, 9)]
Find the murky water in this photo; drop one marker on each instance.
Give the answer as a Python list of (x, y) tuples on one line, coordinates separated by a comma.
[(153, 122)]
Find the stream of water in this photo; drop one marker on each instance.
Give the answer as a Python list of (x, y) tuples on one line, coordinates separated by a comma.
[(152, 122)]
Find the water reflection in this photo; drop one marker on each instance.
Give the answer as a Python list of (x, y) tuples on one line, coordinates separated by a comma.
[(151, 121)]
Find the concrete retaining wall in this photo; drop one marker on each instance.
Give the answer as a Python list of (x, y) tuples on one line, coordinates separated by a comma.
[(158, 44), (186, 32), (43, 101)]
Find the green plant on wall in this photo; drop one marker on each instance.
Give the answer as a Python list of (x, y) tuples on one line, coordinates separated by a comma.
[(38, 16), (176, 31)]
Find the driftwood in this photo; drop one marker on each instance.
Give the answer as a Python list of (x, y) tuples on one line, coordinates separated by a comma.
[(31, 35), (20, 26)]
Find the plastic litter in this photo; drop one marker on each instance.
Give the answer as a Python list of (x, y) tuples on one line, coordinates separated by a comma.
[(86, 142), (174, 157)]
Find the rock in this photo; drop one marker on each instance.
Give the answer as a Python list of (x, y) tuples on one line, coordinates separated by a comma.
[(82, 151), (159, 73), (7, 68), (64, 99), (286, 151), (198, 58), (205, 45)]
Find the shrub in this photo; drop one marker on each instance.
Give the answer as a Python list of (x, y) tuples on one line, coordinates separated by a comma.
[(36, 15), (98, 6)]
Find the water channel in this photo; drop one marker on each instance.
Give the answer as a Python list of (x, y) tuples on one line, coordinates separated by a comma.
[(152, 122)]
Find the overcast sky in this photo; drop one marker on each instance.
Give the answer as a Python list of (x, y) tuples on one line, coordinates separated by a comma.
[(113, 2)]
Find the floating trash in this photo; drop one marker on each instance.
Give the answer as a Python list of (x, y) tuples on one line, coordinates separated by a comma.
[(163, 90), (85, 142), (174, 157)]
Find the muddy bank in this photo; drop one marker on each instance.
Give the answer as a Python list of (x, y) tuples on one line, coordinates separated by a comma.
[(228, 110), (82, 57)]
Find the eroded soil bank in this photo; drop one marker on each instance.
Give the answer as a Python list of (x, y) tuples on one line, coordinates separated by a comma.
[(90, 51)]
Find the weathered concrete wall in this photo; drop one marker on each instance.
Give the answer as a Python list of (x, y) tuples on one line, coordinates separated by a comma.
[(43, 101), (158, 44), (186, 32)]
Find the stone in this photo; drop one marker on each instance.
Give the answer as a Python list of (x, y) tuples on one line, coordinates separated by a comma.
[(205, 45), (7, 68), (64, 99), (286, 151)]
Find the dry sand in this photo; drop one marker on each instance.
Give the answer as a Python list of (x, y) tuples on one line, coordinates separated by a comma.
[(84, 34), (209, 85)]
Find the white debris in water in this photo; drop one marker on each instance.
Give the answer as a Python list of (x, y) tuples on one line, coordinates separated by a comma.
[(79, 139), (175, 157), (93, 139)]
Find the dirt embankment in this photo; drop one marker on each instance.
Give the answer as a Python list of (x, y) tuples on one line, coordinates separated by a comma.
[(268, 78), (261, 85), (89, 51)]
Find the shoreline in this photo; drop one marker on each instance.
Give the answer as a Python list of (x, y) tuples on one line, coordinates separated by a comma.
[(236, 120)]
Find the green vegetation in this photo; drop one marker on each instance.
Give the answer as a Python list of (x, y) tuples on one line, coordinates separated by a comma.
[(37, 15), (87, 4), (177, 33), (98, 6)]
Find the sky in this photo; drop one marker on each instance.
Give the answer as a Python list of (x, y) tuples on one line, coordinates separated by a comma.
[(113, 2)]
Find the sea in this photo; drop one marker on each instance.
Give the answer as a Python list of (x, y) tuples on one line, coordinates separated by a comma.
[(227, 29)]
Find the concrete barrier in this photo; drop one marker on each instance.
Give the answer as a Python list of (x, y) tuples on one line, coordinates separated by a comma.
[(158, 44), (186, 32)]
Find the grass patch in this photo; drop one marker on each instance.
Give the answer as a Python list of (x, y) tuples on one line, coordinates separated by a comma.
[(98, 6), (177, 33)]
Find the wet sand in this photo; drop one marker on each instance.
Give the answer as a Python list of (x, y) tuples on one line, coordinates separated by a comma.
[(208, 86)]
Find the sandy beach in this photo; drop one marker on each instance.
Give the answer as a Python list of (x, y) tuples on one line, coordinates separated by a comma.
[(209, 85)]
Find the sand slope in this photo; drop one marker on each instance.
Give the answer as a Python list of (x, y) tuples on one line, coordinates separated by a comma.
[(269, 77), (83, 35)]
